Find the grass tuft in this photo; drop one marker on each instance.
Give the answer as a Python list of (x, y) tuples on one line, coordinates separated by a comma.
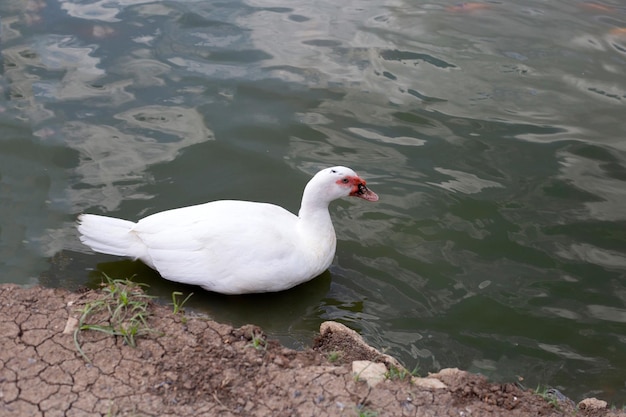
[(401, 373), (257, 341), (178, 305), (121, 311), (362, 411), (334, 356), (548, 394)]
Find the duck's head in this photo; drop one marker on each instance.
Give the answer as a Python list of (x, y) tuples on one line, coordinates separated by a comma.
[(337, 182)]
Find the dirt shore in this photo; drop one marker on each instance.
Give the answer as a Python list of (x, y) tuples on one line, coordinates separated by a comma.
[(192, 366)]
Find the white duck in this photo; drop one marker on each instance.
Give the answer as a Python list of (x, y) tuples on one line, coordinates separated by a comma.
[(234, 247)]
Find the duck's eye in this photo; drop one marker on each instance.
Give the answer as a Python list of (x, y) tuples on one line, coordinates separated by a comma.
[(345, 180)]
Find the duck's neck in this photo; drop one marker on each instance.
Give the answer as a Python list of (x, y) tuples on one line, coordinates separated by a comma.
[(314, 215), (316, 230)]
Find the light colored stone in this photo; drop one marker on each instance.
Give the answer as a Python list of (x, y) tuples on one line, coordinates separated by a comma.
[(592, 404), (447, 372), (371, 372), (71, 325), (428, 383)]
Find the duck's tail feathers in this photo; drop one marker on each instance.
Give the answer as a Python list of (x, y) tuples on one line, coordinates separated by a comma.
[(110, 235)]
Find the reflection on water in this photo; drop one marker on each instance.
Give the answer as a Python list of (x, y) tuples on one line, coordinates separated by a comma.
[(493, 134)]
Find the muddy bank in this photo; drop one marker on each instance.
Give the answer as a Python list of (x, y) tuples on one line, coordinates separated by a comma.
[(192, 366)]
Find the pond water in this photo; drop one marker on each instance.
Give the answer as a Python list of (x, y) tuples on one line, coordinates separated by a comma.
[(494, 134)]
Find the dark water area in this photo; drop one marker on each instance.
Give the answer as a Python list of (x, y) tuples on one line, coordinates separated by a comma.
[(493, 132)]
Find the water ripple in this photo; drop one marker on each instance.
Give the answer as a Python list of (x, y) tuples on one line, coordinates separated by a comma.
[(498, 240)]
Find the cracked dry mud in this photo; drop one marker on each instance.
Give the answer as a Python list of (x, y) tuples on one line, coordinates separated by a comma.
[(196, 367)]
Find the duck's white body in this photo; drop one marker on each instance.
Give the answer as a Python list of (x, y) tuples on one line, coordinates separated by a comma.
[(233, 247)]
